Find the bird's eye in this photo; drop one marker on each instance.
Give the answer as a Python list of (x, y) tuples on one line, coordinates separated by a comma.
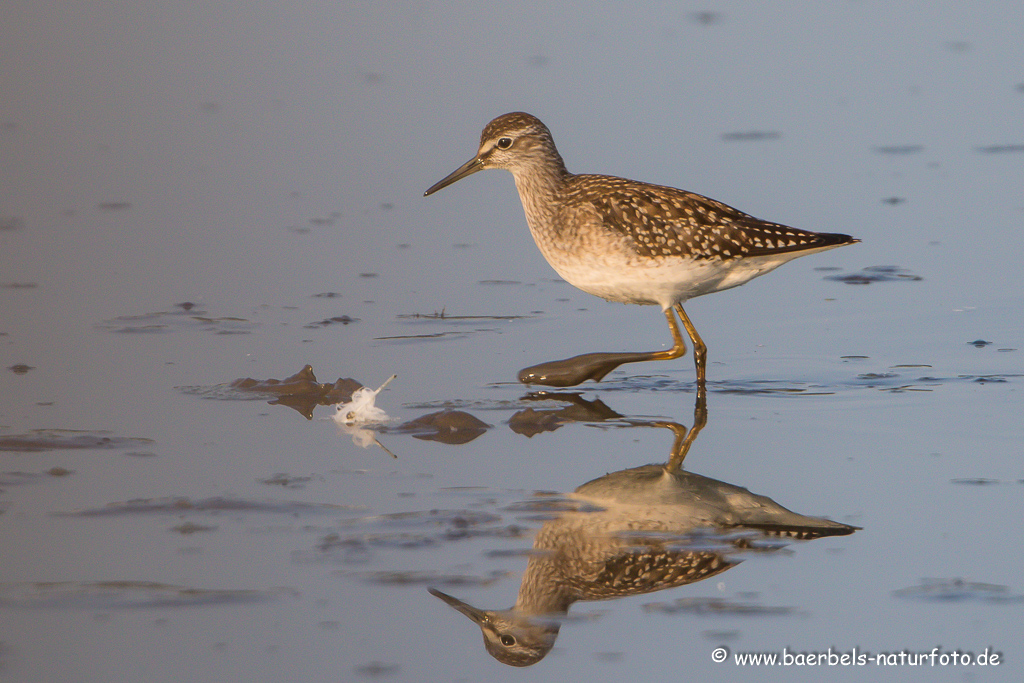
[(504, 143), (507, 640)]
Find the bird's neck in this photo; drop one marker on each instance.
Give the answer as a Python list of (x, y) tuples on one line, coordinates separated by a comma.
[(543, 590), (539, 188)]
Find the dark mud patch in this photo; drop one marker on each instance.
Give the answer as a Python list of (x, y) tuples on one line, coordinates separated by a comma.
[(453, 427), (330, 322), (300, 392), (110, 595), (66, 439), (301, 384)]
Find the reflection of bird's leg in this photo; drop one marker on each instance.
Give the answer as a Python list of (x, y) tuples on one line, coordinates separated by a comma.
[(700, 351), (685, 438)]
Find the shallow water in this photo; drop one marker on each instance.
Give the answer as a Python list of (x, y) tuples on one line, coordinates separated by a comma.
[(194, 196)]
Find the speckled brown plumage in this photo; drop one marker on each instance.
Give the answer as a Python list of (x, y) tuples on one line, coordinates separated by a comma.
[(663, 221)]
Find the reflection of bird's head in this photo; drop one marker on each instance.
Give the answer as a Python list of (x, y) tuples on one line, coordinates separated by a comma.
[(511, 638)]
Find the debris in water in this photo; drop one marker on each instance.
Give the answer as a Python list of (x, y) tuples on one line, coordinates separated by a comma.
[(361, 409)]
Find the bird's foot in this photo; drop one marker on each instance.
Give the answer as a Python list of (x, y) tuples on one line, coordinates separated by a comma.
[(578, 369)]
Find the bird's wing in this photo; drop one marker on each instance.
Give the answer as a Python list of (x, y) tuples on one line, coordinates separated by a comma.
[(663, 221)]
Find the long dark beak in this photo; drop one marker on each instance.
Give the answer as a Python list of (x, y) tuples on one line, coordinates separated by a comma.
[(469, 168), (478, 616)]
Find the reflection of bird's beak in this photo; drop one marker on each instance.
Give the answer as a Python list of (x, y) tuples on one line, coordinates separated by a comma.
[(469, 168), (478, 616)]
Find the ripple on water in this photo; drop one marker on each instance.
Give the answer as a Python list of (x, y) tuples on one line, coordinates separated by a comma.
[(875, 274), (959, 590), (107, 595), (67, 439), (180, 317), (179, 505)]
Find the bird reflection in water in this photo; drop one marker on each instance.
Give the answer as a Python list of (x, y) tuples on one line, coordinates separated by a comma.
[(633, 532)]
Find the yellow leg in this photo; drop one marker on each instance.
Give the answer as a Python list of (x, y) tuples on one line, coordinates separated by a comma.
[(572, 371), (679, 347), (700, 351)]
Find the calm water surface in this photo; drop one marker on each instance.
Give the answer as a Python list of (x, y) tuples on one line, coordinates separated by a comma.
[(195, 195)]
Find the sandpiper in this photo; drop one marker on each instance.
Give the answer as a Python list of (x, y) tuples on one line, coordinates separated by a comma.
[(628, 241)]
